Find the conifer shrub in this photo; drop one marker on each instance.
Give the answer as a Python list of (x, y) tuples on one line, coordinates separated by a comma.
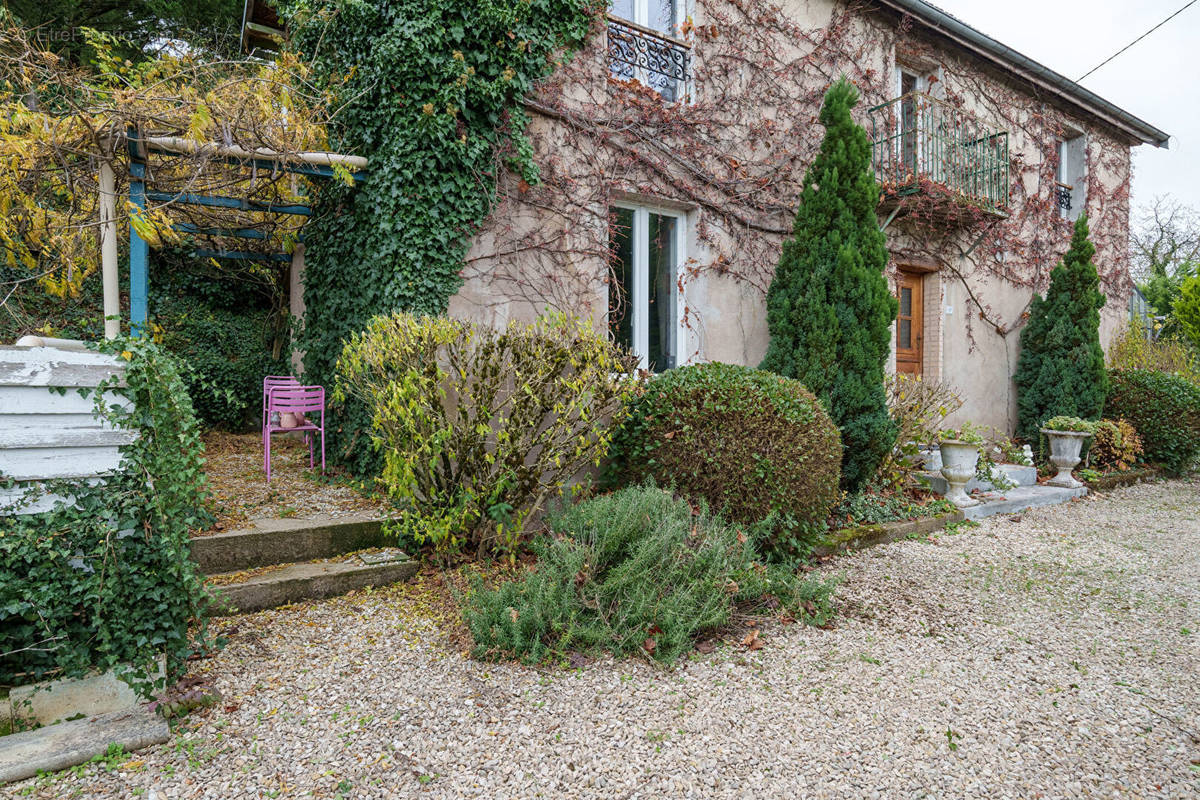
[(638, 570), (1165, 410), (1061, 367), (829, 309), (750, 443)]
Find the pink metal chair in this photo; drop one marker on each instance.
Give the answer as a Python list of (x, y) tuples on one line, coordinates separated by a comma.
[(270, 382), (298, 400)]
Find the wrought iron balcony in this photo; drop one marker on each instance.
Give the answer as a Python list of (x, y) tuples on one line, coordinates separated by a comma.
[(1062, 197), (638, 53), (922, 145)]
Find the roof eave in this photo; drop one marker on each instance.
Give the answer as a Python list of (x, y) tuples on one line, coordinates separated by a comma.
[(1026, 68)]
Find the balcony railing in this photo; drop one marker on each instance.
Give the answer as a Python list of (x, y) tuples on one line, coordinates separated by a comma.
[(638, 53), (922, 144), (1062, 196)]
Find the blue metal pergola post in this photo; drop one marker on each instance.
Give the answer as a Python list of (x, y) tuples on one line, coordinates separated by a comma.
[(139, 249)]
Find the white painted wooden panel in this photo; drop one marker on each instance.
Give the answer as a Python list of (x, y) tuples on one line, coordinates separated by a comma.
[(11, 498), (39, 400), (49, 366), (19, 422), (33, 438), (45, 434), (37, 463)]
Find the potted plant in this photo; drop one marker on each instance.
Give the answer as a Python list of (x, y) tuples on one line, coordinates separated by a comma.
[(1066, 435), (960, 455)]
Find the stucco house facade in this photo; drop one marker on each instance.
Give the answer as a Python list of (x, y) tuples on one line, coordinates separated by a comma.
[(671, 155), (671, 152)]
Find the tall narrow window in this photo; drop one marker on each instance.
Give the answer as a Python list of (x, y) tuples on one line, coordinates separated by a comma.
[(909, 85), (643, 297), (648, 50), (1070, 176)]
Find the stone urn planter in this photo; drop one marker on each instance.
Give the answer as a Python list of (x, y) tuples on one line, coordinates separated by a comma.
[(958, 467), (1065, 449)]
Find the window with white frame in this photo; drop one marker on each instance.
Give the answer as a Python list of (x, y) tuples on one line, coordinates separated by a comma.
[(1070, 176), (649, 49), (644, 300)]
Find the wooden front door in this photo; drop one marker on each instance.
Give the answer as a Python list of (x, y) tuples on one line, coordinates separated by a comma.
[(910, 334)]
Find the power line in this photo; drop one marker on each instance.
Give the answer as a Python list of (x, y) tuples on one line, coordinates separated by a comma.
[(1138, 39)]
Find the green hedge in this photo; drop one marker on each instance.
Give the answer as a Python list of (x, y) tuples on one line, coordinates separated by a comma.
[(1164, 409), (749, 442), (108, 580), (226, 351)]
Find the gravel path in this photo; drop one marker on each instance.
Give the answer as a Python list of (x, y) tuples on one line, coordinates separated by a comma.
[(1054, 656)]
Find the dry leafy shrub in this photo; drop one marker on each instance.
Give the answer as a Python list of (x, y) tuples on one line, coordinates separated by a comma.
[(479, 427), (1115, 445), (917, 407)]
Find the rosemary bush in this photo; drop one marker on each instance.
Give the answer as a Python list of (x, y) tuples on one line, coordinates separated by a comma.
[(637, 570)]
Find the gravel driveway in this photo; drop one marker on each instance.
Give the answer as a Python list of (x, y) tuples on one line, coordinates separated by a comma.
[(1057, 655)]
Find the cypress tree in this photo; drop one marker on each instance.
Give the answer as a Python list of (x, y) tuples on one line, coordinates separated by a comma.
[(1061, 367), (829, 309)]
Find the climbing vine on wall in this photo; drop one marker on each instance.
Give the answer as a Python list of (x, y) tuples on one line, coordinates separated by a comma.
[(431, 92), (736, 153)]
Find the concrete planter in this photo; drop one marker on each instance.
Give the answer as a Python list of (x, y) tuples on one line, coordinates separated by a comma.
[(1065, 449), (958, 468)]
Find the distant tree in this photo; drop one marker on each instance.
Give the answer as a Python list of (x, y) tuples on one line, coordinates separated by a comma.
[(1061, 366), (139, 26), (1186, 312), (1165, 246), (829, 310)]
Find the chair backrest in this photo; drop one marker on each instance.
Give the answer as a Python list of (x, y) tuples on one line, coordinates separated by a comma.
[(296, 399), (277, 380)]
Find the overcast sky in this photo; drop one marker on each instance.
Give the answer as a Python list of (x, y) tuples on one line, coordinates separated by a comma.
[(1158, 79)]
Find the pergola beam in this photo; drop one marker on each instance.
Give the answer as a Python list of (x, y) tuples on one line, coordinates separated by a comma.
[(216, 201), (311, 163)]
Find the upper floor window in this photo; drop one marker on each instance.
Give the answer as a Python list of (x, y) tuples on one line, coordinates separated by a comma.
[(1070, 176), (644, 299), (922, 144), (643, 45)]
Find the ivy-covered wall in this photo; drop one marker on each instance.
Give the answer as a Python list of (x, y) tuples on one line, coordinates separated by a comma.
[(431, 93)]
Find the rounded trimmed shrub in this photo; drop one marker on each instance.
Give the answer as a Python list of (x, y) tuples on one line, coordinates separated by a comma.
[(1164, 409), (749, 442)]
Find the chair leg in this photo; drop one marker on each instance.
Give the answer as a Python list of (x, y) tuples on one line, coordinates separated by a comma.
[(322, 450), (268, 446), (310, 450)]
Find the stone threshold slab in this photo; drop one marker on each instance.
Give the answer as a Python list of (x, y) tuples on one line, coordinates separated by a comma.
[(65, 744), (1021, 498)]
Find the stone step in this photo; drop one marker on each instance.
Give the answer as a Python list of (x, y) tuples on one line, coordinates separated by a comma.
[(1017, 473), (1021, 498), (65, 744), (291, 583), (285, 541)]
